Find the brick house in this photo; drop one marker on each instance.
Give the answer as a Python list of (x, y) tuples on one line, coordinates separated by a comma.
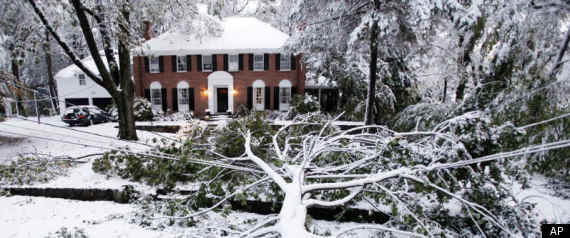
[(245, 65)]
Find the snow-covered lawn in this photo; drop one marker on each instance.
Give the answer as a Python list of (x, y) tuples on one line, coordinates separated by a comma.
[(36, 217)]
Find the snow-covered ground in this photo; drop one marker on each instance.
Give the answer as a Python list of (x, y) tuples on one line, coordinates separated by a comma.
[(59, 139), (37, 217)]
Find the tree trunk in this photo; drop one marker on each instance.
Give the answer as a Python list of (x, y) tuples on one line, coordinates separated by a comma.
[(125, 102), (368, 120), (18, 91), (127, 129), (293, 214), (51, 81)]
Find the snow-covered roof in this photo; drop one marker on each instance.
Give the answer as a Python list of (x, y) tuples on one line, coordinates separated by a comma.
[(240, 35), (71, 70)]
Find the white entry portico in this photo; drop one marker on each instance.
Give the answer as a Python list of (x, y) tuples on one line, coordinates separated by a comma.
[(220, 80)]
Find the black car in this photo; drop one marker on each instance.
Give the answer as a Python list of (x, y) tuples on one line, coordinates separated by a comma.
[(84, 115)]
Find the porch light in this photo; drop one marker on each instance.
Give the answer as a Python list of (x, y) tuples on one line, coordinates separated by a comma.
[(235, 92), (205, 92)]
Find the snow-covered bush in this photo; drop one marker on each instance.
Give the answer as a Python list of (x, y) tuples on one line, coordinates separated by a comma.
[(64, 232), (301, 104), (142, 110)]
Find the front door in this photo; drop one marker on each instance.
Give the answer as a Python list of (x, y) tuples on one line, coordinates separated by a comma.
[(222, 98)]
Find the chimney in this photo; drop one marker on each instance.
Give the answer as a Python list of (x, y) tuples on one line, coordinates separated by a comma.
[(148, 32)]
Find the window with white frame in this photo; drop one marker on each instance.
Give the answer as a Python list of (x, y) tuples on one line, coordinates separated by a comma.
[(81, 78), (156, 97), (154, 65), (258, 62), (285, 62), (181, 63), (285, 95), (183, 96), (233, 63), (207, 63), (258, 95)]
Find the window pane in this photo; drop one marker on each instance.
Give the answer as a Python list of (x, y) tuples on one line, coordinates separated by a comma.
[(183, 96), (258, 95), (207, 63), (154, 65), (285, 95), (258, 63), (181, 62), (156, 97), (233, 63), (285, 62)]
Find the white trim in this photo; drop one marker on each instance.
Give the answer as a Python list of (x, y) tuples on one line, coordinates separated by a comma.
[(182, 84), (220, 79), (259, 84), (156, 86), (181, 87), (285, 83)]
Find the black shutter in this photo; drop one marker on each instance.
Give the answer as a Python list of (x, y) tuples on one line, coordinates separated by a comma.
[(146, 64), (174, 64), (240, 61), (161, 63), (214, 63), (293, 90), (226, 63), (293, 62), (175, 99), (199, 61), (147, 94), (164, 102), (267, 98), (249, 98), (189, 62), (276, 98), (277, 62), (266, 62), (191, 99), (250, 59)]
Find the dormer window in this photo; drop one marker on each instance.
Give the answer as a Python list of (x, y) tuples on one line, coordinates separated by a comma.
[(81, 78), (207, 65), (154, 64), (285, 62), (181, 64), (233, 63), (258, 62)]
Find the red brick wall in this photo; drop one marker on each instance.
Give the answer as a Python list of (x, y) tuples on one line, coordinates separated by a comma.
[(199, 80)]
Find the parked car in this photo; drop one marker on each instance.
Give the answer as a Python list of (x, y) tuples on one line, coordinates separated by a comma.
[(84, 115)]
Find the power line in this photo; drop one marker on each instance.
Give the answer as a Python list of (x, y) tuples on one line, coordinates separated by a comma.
[(189, 160)]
